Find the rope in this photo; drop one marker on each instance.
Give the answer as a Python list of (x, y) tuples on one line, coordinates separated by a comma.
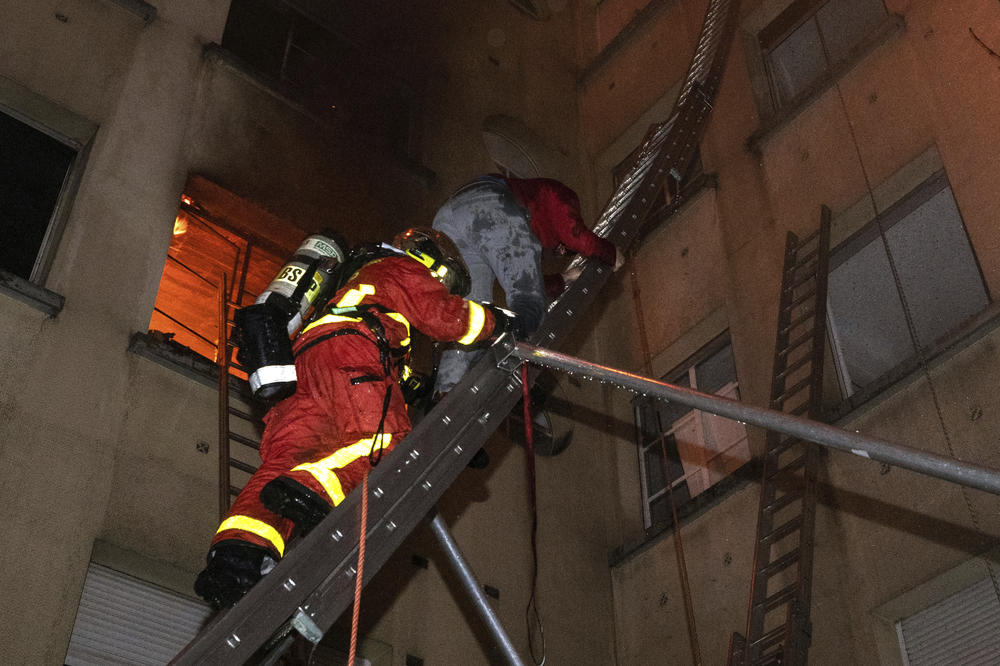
[(647, 360), (361, 570), (529, 449), (914, 337)]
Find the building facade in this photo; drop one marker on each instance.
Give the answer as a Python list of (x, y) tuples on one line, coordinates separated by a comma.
[(149, 148)]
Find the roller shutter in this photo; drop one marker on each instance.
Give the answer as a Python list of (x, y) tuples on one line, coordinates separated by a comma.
[(961, 629), (124, 620)]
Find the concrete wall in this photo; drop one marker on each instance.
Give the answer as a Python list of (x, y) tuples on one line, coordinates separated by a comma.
[(917, 101)]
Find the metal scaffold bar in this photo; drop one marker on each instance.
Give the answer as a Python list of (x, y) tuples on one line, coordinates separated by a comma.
[(475, 592), (950, 469)]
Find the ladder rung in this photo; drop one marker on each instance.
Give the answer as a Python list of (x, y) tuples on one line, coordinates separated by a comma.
[(808, 239), (795, 366), (801, 319), (801, 384), (807, 257), (783, 501), (781, 532), (779, 598), (793, 466), (771, 638), (799, 341), (243, 415), (252, 443), (233, 490), (780, 564), (800, 409), (242, 466), (800, 300), (784, 445), (801, 280)]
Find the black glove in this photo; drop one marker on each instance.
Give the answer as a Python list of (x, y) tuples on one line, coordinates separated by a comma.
[(504, 321), (417, 389)]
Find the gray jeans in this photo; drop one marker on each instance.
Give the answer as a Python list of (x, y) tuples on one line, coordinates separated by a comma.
[(491, 230)]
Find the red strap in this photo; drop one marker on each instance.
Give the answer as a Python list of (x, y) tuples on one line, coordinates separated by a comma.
[(529, 449)]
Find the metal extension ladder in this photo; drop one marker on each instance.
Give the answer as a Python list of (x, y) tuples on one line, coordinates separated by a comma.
[(778, 626), (238, 406), (314, 583)]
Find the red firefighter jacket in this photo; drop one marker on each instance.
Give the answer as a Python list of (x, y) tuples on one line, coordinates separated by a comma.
[(400, 292)]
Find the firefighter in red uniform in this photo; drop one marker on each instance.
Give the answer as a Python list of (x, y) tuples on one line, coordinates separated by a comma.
[(348, 409)]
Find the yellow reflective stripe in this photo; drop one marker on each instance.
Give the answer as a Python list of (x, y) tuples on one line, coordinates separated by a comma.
[(405, 372), (330, 319), (322, 470), (477, 318), (254, 526), (402, 320), (355, 296)]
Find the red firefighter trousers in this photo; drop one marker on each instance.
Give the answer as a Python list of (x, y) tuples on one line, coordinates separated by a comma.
[(322, 435)]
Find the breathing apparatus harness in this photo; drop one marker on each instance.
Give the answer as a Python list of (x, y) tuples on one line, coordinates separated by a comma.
[(389, 356)]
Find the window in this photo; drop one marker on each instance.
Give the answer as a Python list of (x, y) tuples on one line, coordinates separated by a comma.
[(677, 187), (208, 244), (693, 450), (324, 71), (811, 39), (35, 172), (939, 280)]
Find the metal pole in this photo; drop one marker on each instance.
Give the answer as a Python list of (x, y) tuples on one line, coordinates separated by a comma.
[(222, 365), (950, 469), (472, 587)]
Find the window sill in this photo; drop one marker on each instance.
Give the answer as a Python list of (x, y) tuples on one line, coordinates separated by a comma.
[(216, 53), (31, 294), (910, 370), (694, 189), (143, 10), (773, 122), (688, 512), (161, 349)]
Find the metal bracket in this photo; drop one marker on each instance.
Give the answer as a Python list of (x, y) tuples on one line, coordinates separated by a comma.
[(305, 626)]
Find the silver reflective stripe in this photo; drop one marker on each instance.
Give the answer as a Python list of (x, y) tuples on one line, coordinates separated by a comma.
[(272, 374)]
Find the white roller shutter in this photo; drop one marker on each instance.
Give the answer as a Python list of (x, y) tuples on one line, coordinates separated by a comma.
[(961, 629), (123, 620)]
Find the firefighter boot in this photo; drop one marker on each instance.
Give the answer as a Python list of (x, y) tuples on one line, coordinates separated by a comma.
[(289, 498), (233, 568)]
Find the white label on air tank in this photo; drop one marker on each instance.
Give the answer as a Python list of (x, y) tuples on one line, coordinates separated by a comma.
[(322, 248)]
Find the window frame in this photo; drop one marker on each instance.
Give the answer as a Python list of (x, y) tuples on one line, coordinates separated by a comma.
[(671, 450), (237, 295), (75, 132), (909, 202), (758, 43)]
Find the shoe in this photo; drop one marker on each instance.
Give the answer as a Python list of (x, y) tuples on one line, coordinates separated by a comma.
[(289, 498), (233, 568)]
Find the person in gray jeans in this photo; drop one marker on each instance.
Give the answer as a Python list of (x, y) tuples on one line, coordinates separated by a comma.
[(500, 226)]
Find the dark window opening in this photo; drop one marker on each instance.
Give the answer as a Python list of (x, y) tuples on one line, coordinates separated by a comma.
[(322, 70), (33, 171), (678, 187)]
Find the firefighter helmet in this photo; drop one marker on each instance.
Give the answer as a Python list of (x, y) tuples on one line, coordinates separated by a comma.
[(439, 254)]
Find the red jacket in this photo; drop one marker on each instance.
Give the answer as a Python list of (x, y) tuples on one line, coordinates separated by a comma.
[(556, 219), (407, 295)]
